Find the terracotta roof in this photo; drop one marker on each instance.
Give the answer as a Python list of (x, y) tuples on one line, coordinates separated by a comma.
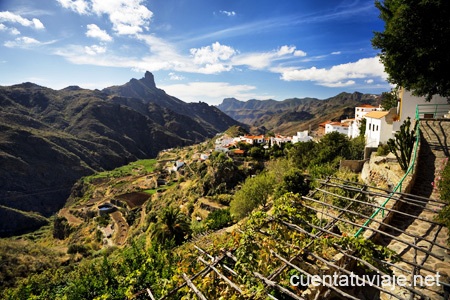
[(325, 123), (376, 114), (239, 151), (254, 137), (367, 106)]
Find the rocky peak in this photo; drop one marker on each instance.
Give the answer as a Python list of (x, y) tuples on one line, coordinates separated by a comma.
[(149, 80)]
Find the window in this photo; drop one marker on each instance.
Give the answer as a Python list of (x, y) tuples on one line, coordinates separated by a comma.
[(370, 126)]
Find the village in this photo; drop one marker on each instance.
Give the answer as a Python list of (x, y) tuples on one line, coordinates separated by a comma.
[(380, 125)]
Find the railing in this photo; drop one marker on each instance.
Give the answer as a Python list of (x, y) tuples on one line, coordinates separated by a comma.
[(398, 187), (432, 111)]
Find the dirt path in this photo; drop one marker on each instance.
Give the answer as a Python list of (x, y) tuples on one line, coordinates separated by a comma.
[(73, 221), (121, 228)]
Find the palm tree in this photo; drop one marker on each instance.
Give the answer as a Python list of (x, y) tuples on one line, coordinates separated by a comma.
[(173, 225)]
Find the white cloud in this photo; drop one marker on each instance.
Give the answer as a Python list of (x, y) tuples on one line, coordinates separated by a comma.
[(127, 16), (14, 31), (261, 60), (213, 59), (228, 13), (369, 81), (339, 75), (22, 42), (174, 76), (284, 50), (6, 16), (339, 83), (79, 6), (336, 53), (258, 60), (299, 53), (212, 92), (95, 49), (95, 32), (212, 54)]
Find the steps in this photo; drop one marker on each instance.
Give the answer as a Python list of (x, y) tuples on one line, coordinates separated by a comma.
[(434, 152)]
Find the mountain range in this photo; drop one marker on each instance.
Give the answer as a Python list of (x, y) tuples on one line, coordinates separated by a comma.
[(295, 114), (50, 138)]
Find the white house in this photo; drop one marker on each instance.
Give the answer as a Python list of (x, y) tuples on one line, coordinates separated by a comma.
[(379, 127), (336, 126), (177, 165), (250, 139), (360, 112), (302, 136), (279, 140)]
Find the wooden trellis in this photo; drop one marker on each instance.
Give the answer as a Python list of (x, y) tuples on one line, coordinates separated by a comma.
[(335, 216)]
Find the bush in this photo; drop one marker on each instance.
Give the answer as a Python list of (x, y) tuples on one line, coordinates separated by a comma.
[(77, 248), (383, 150), (254, 192), (218, 219)]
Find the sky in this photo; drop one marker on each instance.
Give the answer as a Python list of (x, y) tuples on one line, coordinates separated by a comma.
[(198, 50)]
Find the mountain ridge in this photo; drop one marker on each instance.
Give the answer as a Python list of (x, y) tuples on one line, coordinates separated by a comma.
[(50, 138), (295, 114)]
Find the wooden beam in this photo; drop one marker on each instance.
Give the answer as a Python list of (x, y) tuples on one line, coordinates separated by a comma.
[(193, 287)]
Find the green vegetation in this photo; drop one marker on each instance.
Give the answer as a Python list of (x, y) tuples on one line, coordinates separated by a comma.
[(255, 191), (139, 167), (266, 184), (219, 219), (389, 99), (172, 226), (403, 143), (383, 150), (414, 45)]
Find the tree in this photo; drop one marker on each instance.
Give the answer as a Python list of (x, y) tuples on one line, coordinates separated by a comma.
[(414, 45), (389, 99), (332, 147), (171, 224), (294, 182), (362, 127), (254, 192)]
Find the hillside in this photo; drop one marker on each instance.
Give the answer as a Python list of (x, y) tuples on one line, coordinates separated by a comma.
[(50, 138), (292, 115), (141, 225)]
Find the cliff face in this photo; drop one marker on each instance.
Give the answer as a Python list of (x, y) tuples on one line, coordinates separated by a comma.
[(50, 138)]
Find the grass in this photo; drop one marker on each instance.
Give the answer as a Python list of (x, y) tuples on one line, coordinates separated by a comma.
[(163, 188), (140, 167)]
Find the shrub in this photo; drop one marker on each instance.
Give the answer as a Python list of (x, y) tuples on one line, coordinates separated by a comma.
[(383, 150), (218, 219), (254, 192)]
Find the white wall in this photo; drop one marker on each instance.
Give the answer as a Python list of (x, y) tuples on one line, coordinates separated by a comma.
[(331, 128), (377, 131), (409, 102)]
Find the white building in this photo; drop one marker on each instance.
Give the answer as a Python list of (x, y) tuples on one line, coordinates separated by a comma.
[(337, 126), (407, 106), (360, 112), (379, 127), (279, 140), (302, 136)]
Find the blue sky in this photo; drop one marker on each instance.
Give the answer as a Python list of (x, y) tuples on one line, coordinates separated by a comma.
[(198, 50)]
